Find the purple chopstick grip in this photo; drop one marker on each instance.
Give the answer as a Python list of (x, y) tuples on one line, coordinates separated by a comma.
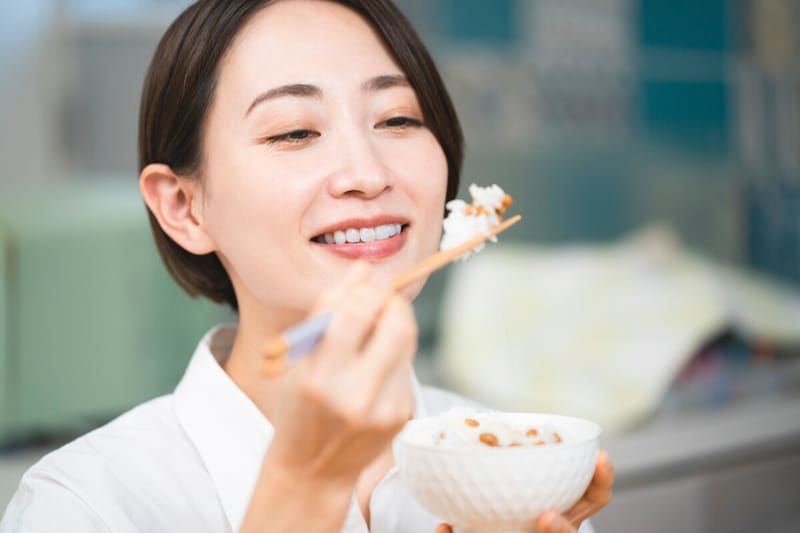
[(305, 336)]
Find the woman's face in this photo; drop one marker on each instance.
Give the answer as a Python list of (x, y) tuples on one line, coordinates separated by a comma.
[(315, 136)]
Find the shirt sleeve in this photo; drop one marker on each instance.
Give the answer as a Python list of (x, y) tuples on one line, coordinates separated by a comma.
[(43, 505)]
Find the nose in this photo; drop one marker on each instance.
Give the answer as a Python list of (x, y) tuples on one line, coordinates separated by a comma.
[(360, 171)]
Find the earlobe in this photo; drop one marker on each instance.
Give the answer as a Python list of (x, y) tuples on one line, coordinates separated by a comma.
[(172, 200)]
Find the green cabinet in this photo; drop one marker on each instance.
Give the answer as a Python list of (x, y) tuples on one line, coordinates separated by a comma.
[(6, 393), (92, 324)]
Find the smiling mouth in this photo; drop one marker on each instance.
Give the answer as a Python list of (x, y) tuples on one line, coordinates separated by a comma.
[(361, 235)]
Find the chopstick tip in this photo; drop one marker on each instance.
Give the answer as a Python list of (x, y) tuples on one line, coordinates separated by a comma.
[(276, 347)]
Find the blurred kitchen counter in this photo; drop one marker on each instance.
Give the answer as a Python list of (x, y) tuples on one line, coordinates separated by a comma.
[(713, 470)]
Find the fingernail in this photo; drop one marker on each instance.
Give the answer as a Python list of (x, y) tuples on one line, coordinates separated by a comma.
[(605, 460), (552, 521), (546, 520)]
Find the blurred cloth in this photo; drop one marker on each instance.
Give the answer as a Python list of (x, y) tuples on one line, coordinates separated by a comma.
[(597, 331)]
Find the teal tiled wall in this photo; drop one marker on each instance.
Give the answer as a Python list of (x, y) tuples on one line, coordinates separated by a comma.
[(479, 21), (689, 115), (684, 107), (684, 24)]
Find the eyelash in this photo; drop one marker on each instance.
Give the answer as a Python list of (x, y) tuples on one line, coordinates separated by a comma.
[(302, 136), (291, 137), (407, 122)]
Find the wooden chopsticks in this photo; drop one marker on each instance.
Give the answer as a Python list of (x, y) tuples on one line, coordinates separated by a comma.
[(303, 338), (445, 257)]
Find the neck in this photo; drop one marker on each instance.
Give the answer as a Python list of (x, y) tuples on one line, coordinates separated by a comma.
[(256, 328)]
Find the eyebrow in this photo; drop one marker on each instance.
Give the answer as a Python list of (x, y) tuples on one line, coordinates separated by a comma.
[(304, 90), (386, 82)]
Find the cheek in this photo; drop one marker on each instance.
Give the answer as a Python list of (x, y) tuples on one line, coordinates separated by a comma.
[(251, 193), (422, 164), (245, 217), (428, 175), (430, 172)]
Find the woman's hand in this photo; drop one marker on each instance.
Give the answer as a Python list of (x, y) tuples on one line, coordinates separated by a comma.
[(338, 409), (341, 405), (595, 498)]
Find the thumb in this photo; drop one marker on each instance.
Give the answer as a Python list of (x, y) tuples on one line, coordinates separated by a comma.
[(444, 528), (552, 522)]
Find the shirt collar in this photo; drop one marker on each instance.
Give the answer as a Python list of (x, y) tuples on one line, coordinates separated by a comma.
[(229, 432), (227, 429)]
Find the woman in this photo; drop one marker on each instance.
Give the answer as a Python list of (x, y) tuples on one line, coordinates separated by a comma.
[(269, 129)]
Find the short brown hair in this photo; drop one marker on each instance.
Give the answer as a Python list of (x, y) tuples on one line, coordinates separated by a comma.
[(179, 89)]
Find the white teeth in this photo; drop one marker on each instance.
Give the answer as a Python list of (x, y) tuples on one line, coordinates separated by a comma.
[(353, 235), (367, 234)]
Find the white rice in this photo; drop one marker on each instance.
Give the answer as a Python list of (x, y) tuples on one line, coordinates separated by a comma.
[(459, 226), (463, 427)]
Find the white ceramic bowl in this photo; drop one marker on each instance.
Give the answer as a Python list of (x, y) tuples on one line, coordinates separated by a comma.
[(485, 489)]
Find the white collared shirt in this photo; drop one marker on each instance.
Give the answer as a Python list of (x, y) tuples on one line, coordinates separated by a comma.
[(187, 461)]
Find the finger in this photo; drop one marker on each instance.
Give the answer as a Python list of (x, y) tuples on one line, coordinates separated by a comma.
[(443, 528), (604, 469), (393, 343), (275, 361), (551, 521), (580, 512), (599, 492), (394, 403), (354, 319)]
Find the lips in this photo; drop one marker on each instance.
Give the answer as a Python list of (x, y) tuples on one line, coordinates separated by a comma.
[(364, 238), (356, 235)]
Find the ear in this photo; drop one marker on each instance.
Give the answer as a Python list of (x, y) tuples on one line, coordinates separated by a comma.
[(177, 205)]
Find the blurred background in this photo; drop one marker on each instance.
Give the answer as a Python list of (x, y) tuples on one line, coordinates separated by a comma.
[(653, 147)]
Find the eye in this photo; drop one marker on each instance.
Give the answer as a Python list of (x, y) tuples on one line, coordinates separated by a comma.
[(400, 123), (293, 137)]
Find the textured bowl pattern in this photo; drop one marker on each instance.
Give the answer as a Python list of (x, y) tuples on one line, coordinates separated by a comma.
[(487, 489)]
